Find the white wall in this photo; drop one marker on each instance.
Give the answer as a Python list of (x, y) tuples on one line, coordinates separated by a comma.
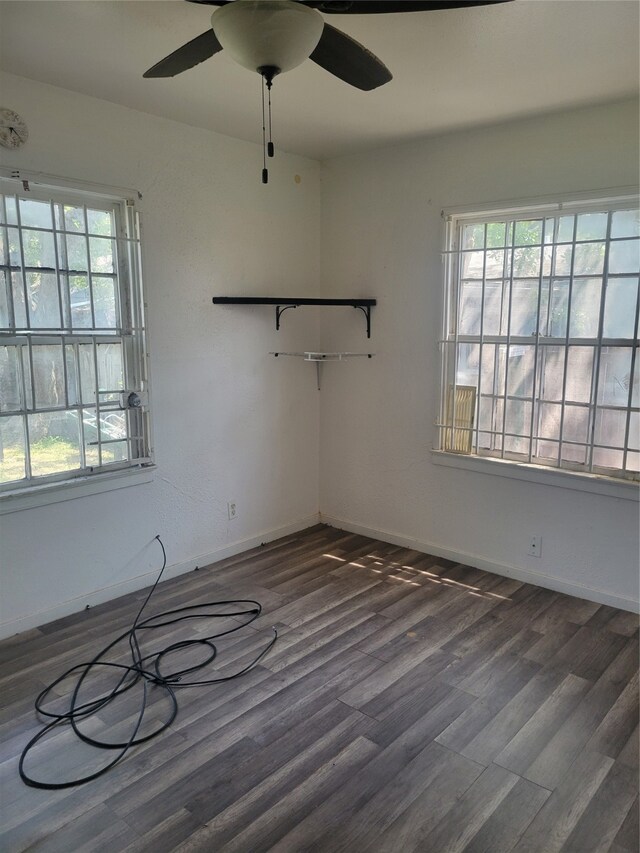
[(230, 421), (382, 230)]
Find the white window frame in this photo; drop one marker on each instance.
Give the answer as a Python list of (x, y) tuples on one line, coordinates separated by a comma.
[(503, 463), (130, 331)]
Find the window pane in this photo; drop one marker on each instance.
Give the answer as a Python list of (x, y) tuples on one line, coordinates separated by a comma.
[(487, 368), (610, 429), (552, 359), (44, 304), (565, 229), (549, 420), (19, 302), (54, 443), (620, 308), (585, 308), (579, 374), (101, 254), (558, 308), (547, 452), (113, 425), (518, 422), (104, 300), (528, 232), (4, 303), (467, 373), (486, 420), (634, 431), (492, 307), (13, 240), (26, 372), (72, 375), (470, 308), (625, 223), (574, 453), (12, 453), (615, 376), (472, 264), (526, 262), (473, 236), (35, 214), (521, 368), (115, 452), (576, 423), (100, 222), (90, 426), (12, 209), (80, 298), (75, 252), (624, 256), (48, 376), (498, 410), (633, 461), (607, 458), (524, 308), (592, 226), (563, 258), (495, 234), (87, 373), (74, 218), (38, 249), (110, 376), (588, 259), (10, 393), (495, 264)]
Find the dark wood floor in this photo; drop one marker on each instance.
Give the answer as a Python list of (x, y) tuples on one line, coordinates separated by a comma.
[(408, 704)]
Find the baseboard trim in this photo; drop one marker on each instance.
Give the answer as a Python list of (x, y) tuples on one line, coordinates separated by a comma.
[(108, 593), (536, 578)]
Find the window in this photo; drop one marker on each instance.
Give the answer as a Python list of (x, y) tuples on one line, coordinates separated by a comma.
[(73, 382), (540, 347)]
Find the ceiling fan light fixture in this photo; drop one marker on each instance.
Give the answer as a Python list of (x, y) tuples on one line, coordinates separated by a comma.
[(273, 33)]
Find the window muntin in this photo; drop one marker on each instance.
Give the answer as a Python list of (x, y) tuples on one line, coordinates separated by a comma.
[(541, 317), (71, 336)]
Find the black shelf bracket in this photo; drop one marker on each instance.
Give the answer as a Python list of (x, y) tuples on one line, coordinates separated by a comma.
[(282, 303), (366, 310), (279, 312)]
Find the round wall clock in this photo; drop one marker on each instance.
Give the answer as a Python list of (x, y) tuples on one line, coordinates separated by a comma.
[(13, 129)]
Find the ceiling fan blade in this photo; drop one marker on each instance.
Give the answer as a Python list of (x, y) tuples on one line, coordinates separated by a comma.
[(347, 59), (185, 57), (372, 7)]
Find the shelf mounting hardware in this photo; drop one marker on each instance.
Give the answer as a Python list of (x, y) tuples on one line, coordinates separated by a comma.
[(320, 357)]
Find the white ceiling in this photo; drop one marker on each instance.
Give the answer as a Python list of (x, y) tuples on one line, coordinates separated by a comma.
[(452, 69)]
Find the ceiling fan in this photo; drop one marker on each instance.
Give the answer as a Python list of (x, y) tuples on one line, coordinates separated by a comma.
[(278, 35), (273, 36)]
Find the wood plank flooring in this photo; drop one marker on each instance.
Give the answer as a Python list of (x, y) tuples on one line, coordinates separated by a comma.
[(409, 704)]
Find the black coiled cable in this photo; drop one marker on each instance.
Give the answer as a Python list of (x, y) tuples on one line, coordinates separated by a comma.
[(143, 668)]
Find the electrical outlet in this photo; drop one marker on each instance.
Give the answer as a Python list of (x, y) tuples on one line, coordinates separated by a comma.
[(232, 510), (535, 546)]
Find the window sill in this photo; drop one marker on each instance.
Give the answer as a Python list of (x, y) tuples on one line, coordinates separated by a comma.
[(68, 490), (592, 483)]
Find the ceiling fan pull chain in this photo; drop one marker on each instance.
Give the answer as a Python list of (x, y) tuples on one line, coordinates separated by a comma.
[(270, 148), (265, 171)]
